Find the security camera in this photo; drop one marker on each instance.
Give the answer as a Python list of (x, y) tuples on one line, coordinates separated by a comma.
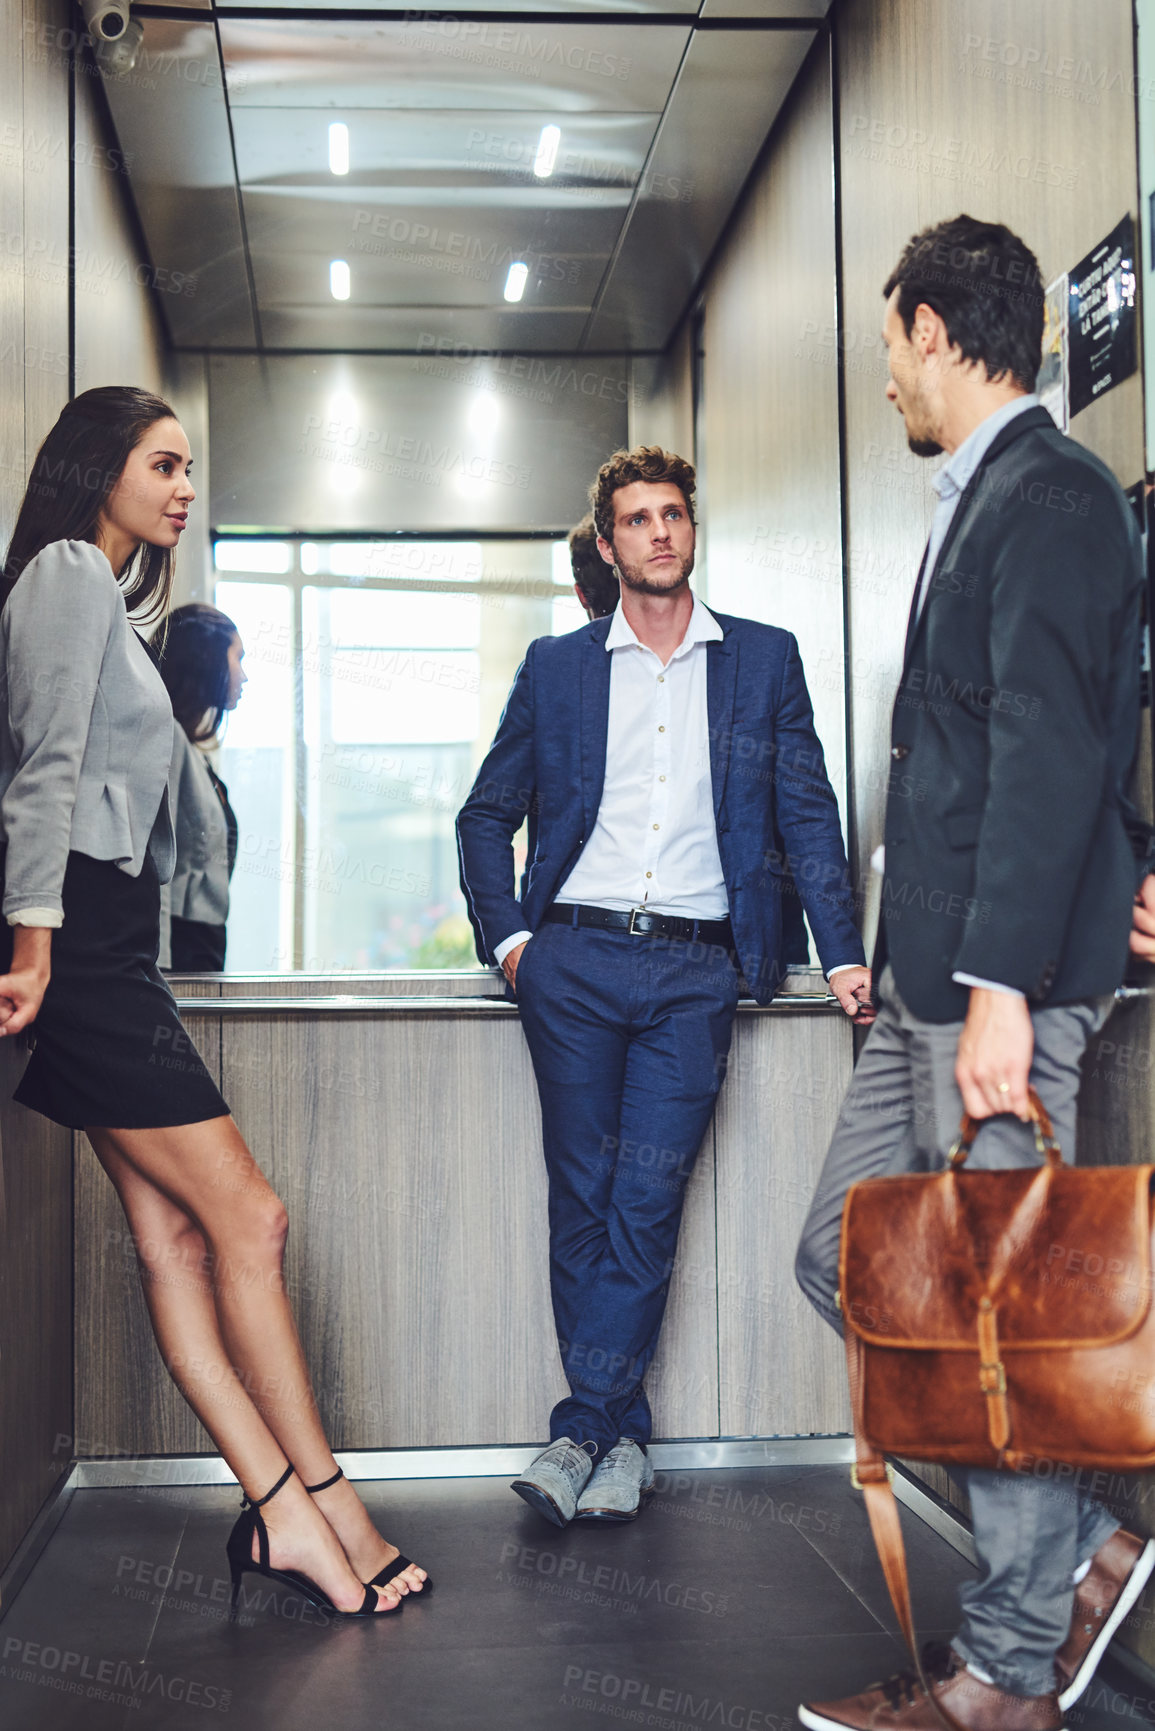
[(119, 56), (106, 20)]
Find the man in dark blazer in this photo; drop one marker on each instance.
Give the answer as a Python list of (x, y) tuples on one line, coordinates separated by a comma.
[(1012, 857), (667, 753)]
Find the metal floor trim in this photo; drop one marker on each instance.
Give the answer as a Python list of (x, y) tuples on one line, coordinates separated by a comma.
[(161, 1471), (27, 1553), (947, 1522)]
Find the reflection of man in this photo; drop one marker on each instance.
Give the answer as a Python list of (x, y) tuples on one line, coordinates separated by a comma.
[(659, 746), (1008, 881), (594, 581)]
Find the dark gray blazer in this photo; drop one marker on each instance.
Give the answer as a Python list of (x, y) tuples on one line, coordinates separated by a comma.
[(86, 729), (1012, 849), (200, 881)]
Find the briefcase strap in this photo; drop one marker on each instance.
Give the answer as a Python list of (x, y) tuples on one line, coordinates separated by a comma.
[(870, 1476)]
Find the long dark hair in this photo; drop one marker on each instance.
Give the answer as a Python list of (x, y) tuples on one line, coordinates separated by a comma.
[(193, 657), (75, 470)]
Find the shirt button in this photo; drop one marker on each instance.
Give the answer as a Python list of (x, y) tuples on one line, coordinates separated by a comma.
[(661, 679), (661, 778), (657, 826), (649, 874), (661, 730)]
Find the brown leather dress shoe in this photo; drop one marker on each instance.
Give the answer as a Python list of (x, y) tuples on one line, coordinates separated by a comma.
[(902, 1704), (1118, 1574)]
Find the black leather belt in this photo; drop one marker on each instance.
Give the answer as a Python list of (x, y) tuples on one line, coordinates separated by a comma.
[(638, 923)]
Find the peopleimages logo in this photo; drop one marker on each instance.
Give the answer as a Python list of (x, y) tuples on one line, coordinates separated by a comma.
[(512, 42), (529, 370), (604, 1578), (649, 1702), (82, 1674), (376, 448)]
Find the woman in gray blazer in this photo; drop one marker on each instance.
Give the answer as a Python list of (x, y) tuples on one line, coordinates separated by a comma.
[(199, 654), (86, 740)]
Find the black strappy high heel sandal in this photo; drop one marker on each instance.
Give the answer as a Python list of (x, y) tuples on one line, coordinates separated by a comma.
[(240, 1555), (383, 1576)]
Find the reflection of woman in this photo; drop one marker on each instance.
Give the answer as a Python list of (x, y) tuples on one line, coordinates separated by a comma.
[(200, 663), (86, 737)]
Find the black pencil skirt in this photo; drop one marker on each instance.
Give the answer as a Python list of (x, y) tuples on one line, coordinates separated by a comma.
[(108, 1048)]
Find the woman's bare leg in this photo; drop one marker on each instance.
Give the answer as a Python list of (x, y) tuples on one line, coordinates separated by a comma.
[(210, 1234)]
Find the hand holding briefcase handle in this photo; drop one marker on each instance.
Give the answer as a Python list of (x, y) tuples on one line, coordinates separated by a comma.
[(997, 1319)]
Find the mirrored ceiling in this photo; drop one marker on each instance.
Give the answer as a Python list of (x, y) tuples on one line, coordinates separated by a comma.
[(322, 179)]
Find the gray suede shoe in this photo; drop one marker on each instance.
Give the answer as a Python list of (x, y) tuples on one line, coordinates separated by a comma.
[(552, 1482), (616, 1490)]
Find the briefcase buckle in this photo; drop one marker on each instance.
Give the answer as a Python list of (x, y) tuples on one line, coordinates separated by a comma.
[(857, 1482)]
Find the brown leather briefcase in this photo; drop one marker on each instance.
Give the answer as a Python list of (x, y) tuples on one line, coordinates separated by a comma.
[(997, 1319)]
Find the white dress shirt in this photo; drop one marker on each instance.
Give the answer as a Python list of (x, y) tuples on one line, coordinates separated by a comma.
[(654, 843)]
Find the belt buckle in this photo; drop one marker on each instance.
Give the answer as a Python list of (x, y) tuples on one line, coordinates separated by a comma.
[(631, 929)]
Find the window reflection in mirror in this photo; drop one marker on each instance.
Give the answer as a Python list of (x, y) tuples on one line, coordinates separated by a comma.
[(377, 675)]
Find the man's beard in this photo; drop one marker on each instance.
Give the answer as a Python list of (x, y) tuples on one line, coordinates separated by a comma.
[(924, 447), (633, 577)]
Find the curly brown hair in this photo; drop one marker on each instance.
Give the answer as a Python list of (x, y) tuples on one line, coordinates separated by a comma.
[(594, 577), (643, 463)]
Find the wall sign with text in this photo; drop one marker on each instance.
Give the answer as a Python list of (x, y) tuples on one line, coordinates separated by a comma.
[(1101, 318)]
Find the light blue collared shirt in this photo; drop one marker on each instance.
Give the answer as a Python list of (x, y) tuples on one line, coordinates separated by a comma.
[(950, 483), (956, 474)]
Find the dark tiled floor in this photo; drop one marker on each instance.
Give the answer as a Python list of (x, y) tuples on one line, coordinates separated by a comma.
[(737, 1594)]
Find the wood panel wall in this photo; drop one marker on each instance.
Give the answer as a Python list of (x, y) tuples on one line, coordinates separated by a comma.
[(36, 1429), (38, 272), (408, 1150), (939, 112), (771, 511), (661, 406), (35, 1167)]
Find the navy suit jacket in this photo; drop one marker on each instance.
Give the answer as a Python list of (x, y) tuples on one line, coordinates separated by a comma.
[(769, 784)]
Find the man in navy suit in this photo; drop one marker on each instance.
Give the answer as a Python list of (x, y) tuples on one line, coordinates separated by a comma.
[(667, 754)]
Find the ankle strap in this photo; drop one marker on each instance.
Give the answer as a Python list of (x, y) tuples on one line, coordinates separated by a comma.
[(259, 1502), (313, 1489)]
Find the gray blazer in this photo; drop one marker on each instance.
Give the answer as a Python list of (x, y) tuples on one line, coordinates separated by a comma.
[(200, 881), (86, 729)]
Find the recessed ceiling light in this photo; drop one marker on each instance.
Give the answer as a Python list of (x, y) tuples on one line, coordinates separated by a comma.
[(338, 148), (515, 281), (546, 151), (340, 281), (484, 413)]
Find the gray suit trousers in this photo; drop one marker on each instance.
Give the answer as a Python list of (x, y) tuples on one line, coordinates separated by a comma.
[(901, 1114)]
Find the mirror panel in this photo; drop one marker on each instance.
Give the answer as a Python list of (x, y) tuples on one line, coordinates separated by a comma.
[(377, 672)]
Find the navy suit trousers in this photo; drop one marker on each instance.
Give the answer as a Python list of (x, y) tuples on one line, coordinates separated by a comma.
[(629, 1037)]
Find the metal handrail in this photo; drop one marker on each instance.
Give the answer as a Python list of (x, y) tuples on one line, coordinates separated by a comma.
[(346, 1004)]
